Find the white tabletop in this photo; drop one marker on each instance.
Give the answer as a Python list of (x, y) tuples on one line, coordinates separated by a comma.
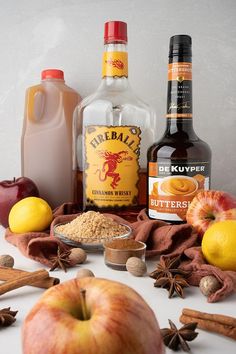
[(24, 298)]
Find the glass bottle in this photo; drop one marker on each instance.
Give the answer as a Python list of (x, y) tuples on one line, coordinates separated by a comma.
[(179, 163), (112, 131)]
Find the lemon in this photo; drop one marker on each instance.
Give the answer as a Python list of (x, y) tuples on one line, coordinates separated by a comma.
[(219, 245), (30, 214)]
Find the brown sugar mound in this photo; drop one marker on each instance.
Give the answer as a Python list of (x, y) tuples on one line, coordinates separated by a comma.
[(90, 227)]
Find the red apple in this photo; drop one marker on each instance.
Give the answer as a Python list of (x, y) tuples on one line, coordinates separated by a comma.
[(118, 321), (13, 191), (207, 207)]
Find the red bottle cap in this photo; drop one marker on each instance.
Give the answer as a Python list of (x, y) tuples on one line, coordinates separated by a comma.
[(52, 74), (115, 31)]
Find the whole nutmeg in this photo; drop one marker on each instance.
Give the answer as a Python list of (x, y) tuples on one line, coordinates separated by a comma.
[(209, 285), (83, 273), (77, 256), (6, 261), (136, 266)]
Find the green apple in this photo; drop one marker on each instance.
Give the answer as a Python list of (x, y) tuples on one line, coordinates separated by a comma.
[(91, 316)]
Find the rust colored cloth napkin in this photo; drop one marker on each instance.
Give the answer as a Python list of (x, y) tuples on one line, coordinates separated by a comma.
[(162, 239), (172, 240), (199, 268)]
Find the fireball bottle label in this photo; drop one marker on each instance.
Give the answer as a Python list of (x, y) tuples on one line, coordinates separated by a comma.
[(111, 170), (115, 64), (172, 186)]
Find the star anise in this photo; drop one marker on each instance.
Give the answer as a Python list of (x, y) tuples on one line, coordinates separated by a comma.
[(167, 267), (61, 260), (174, 284), (7, 317), (175, 338)]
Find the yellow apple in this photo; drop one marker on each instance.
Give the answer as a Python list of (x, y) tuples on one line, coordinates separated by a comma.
[(91, 316)]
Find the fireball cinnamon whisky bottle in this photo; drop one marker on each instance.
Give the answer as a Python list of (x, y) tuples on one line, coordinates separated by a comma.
[(112, 131), (178, 164)]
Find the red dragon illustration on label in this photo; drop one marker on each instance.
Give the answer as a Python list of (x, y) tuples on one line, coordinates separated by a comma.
[(116, 63), (112, 159)]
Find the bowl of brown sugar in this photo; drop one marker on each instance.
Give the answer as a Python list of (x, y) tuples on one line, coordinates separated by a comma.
[(118, 251), (90, 230)]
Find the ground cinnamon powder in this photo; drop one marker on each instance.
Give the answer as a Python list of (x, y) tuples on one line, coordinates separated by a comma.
[(118, 251), (128, 244)]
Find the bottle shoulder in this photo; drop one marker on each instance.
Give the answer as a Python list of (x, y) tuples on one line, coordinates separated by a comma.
[(52, 86), (69, 89), (115, 108), (167, 148), (34, 88), (116, 95)]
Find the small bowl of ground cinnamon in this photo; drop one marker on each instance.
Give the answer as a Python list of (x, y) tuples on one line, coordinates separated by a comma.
[(90, 230), (118, 251)]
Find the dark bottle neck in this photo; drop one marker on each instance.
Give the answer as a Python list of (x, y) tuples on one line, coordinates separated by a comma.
[(179, 93), (179, 97), (180, 128)]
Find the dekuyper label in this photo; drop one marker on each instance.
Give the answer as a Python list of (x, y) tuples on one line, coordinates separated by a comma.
[(173, 186), (180, 71), (179, 99)]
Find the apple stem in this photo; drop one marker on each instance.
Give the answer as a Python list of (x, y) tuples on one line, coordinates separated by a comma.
[(83, 304), (14, 179), (210, 216)]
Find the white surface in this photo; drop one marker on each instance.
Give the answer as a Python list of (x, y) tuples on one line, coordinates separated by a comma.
[(68, 34), (24, 298)]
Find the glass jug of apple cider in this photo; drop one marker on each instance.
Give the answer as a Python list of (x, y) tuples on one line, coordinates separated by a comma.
[(46, 145)]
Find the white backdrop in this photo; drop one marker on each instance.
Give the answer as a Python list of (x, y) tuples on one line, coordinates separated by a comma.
[(68, 34)]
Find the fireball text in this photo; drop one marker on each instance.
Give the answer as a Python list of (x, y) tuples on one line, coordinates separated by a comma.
[(113, 135)]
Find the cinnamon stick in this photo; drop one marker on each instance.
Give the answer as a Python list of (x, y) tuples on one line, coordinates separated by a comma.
[(227, 320), (221, 324), (23, 280), (13, 273)]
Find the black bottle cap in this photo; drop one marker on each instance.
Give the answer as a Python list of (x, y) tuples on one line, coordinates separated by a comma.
[(180, 45)]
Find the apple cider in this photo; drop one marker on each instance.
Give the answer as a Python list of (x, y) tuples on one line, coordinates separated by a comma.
[(46, 143), (179, 164)]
